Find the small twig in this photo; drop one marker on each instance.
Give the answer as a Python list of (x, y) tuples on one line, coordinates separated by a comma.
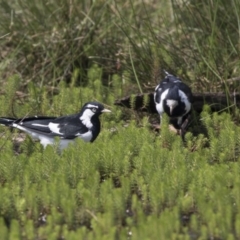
[(92, 214), (4, 35), (170, 126), (234, 79)]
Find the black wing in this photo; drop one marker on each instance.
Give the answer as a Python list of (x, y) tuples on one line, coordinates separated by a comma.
[(157, 94), (36, 123), (172, 80), (187, 90), (68, 127), (168, 82)]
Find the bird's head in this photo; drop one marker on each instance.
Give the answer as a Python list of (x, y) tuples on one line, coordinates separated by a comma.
[(172, 98), (91, 109)]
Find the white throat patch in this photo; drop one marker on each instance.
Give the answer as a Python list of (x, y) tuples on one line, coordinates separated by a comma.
[(86, 118)]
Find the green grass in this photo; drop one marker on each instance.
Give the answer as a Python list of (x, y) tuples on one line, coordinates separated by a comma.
[(49, 43), (131, 183)]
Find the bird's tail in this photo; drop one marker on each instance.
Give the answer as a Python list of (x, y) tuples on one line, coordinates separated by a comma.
[(6, 121), (166, 73)]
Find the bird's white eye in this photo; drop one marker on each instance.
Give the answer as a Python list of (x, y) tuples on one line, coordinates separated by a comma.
[(94, 110)]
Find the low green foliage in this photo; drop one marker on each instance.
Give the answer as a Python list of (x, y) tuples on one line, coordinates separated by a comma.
[(130, 183)]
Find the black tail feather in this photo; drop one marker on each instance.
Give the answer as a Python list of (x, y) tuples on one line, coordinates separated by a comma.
[(7, 121)]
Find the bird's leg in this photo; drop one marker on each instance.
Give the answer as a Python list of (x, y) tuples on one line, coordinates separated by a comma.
[(185, 123), (160, 120), (156, 127), (184, 127), (179, 121), (171, 127)]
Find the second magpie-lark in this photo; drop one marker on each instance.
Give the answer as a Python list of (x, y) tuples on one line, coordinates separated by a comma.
[(174, 98), (84, 125)]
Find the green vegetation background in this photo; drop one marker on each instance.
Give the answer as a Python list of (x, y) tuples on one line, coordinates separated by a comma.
[(132, 183)]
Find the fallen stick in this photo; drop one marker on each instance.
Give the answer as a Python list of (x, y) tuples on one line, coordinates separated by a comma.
[(217, 101)]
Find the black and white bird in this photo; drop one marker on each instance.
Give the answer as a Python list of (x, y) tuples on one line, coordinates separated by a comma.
[(174, 98), (84, 125)]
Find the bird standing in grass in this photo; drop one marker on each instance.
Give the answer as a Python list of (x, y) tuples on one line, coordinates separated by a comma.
[(174, 98), (84, 125)]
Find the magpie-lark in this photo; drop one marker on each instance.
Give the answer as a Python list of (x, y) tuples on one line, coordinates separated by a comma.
[(84, 125), (174, 98)]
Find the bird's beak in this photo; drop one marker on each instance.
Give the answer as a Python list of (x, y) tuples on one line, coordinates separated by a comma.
[(170, 108), (105, 110)]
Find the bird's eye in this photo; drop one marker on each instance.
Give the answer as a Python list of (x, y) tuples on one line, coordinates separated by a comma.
[(94, 110)]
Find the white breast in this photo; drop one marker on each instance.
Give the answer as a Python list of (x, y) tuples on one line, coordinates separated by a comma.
[(85, 136)]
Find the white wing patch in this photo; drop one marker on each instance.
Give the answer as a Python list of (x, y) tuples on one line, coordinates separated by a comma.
[(39, 125), (159, 106), (54, 127), (184, 99), (176, 81)]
